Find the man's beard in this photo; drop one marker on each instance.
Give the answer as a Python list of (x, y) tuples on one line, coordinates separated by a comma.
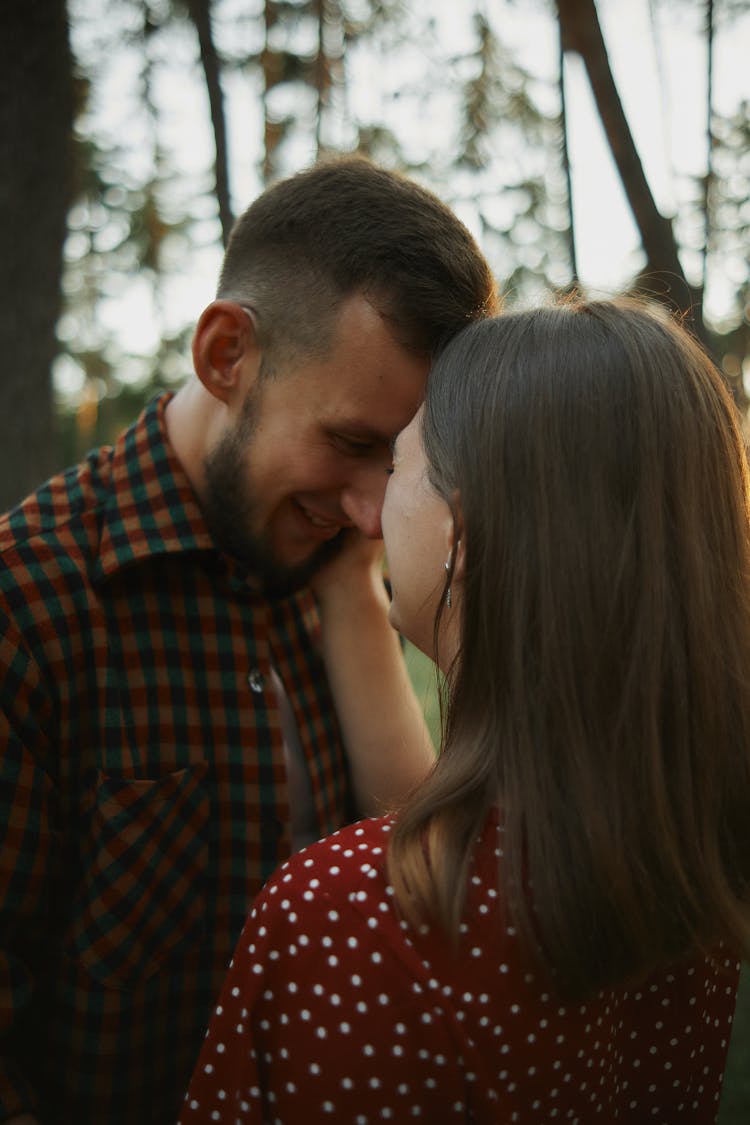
[(230, 510)]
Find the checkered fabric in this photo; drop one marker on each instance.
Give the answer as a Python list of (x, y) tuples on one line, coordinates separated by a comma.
[(142, 782)]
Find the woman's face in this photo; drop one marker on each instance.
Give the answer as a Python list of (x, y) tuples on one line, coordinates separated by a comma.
[(418, 533)]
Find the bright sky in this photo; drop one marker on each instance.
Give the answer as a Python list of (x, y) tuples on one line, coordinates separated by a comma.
[(659, 66)]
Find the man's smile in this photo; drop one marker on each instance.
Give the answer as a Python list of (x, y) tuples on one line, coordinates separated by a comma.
[(321, 522)]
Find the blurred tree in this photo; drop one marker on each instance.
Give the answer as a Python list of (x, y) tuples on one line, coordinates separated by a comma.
[(434, 90), (573, 283), (728, 241), (36, 115), (306, 64), (664, 276), (200, 14), (125, 225), (520, 200)]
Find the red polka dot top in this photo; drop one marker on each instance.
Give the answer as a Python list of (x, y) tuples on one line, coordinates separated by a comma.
[(336, 1010)]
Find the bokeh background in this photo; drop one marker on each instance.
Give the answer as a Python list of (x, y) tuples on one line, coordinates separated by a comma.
[(600, 145)]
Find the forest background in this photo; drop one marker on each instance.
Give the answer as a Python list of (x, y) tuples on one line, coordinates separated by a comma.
[(133, 131)]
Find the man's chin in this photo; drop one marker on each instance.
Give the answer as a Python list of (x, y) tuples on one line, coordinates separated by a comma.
[(279, 580), (229, 522)]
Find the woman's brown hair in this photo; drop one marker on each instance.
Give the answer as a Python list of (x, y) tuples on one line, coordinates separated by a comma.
[(601, 694)]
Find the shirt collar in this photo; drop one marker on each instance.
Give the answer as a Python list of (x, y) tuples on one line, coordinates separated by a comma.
[(151, 508)]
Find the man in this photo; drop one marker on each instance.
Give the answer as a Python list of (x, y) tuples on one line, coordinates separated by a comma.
[(167, 731)]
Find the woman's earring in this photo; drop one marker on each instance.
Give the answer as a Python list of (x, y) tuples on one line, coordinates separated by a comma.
[(448, 591)]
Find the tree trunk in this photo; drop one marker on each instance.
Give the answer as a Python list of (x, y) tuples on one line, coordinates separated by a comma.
[(708, 182), (200, 13), (571, 236), (36, 117), (664, 276)]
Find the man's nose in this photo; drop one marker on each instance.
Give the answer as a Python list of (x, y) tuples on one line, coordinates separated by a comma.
[(363, 504)]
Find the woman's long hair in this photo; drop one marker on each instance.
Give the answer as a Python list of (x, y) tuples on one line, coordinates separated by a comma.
[(601, 694)]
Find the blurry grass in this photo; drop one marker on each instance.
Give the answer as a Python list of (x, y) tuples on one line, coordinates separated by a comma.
[(422, 672), (735, 1098)]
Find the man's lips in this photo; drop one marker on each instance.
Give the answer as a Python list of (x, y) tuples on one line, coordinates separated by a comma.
[(320, 522)]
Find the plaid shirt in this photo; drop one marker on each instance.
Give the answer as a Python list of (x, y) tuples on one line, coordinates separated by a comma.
[(142, 779)]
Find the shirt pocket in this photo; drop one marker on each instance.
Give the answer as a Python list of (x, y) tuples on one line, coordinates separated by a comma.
[(143, 895)]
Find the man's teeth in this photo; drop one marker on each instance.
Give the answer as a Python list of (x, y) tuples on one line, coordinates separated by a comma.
[(316, 521)]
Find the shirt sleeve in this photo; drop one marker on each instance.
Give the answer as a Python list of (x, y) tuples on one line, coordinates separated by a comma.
[(28, 856), (320, 1019)]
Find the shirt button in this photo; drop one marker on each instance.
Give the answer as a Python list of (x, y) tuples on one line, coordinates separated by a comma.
[(257, 681)]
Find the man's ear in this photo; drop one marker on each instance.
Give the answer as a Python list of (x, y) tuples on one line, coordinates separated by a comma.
[(223, 340)]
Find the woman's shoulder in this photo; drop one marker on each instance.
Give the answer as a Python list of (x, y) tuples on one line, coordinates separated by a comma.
[(341, 861)]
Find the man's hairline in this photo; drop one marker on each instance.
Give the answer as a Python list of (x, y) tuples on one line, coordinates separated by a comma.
[(320, 354)]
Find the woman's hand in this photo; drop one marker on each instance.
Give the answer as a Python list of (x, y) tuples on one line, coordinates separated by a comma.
[(383, 726)]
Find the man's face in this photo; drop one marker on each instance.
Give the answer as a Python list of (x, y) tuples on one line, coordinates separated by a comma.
[(309, 455)]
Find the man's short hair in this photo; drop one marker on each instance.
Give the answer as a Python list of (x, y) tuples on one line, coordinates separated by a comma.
[(345, 227)]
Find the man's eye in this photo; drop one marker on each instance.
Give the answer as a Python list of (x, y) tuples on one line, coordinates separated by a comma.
[(357, 447)]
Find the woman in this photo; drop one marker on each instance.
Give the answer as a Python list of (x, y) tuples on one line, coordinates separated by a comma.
[(550, 928)]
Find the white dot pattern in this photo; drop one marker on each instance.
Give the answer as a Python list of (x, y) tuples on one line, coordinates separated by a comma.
[(335, 1010)]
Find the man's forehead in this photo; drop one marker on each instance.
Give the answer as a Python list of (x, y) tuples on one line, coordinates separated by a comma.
[(374, 421)]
